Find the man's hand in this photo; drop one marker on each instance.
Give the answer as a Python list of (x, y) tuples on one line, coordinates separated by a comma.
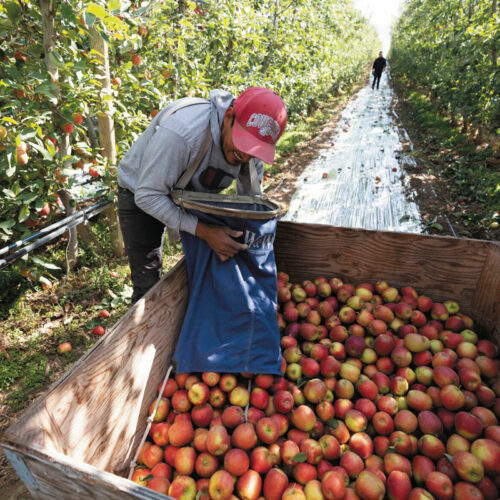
[(220, 240)]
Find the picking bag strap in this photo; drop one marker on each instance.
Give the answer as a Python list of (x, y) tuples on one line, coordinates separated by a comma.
[(254, 178), (184, 103), (188, 174), (181, 103)]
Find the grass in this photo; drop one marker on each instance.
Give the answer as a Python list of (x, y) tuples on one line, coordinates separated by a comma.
[(472, 171), (35, 321)]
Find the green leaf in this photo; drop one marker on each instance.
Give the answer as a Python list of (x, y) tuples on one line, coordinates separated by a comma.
[(67, 12), (437, 226), (114, 5), (301, 382), (89, 19), (7, 224), (404, 218), (9, 193), (300, 457), (105, 36), (57, 59), (43, 263), (97, 10), (50, 148), (28, 198), (10, 120), (13, 11), (181, 48), (332, 422), (23, 213), (11, 169), (43, 151)]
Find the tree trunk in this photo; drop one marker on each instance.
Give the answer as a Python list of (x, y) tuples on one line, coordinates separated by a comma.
[(494, 55), (72, 248), (88, 236), (48, 14), (107, 136)]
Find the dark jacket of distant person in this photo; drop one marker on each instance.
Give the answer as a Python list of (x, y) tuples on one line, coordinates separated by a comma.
[(379, 64)]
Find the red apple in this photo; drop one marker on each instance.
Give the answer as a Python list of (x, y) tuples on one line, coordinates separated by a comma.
[(422, 467), (467, 491), (352, 463), (160, 433), (468, 425), (217, 397), (488, 452), (395, 461), (267, 430), (221, 485), (468, 466), (304, 472), (456, 443), (289, 449), (236, 462), (180, 433), (183, 487), (383, 423), (303, 418), (261, 460), (275, 483), (431, 446), (332, 486), (439, 485), (398, 485), (244, 436), (369, 486), (218, 440), (361, 444), (294, 491)]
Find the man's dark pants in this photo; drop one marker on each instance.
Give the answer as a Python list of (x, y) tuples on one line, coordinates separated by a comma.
[(376, 79), (143, 236)]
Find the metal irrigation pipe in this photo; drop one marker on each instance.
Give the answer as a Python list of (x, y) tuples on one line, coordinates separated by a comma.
[(78, 219), (50, 228)]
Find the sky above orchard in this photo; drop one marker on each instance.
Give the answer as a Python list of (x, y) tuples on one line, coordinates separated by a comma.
[(381, 13)]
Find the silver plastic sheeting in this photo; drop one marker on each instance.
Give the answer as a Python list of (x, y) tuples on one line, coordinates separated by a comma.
[(359, 181)]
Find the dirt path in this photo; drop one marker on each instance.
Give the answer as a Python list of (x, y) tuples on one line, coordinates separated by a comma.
[(360, 180)]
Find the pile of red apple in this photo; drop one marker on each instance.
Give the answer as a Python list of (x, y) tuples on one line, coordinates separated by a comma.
[(384, 394)]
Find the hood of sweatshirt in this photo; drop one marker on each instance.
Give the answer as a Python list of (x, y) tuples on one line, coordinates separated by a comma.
[(220, 100)]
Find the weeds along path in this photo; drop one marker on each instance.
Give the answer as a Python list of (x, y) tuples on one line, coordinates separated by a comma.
[(359, 181)]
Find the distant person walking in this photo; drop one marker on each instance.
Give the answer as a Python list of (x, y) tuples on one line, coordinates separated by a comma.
[(378, 67)]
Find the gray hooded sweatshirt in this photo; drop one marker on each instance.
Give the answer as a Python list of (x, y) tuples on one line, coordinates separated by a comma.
[(163, 152)]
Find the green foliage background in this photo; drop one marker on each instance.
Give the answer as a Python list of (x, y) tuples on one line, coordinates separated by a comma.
[(451, 50), (303, 49)]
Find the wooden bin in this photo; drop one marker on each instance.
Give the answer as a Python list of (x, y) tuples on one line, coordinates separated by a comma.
[(78, 439)]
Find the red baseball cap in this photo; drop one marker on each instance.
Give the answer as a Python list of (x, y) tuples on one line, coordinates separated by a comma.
[(260, 119)]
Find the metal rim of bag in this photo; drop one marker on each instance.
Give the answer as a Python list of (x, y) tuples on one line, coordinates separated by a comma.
[(201, 201)]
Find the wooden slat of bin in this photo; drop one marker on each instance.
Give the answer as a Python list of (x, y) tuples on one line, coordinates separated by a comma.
[(443, 268), (68, 478), (486, 300), (97, 412)]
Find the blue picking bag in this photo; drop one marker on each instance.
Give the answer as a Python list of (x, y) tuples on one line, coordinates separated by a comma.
[(230, 324)]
